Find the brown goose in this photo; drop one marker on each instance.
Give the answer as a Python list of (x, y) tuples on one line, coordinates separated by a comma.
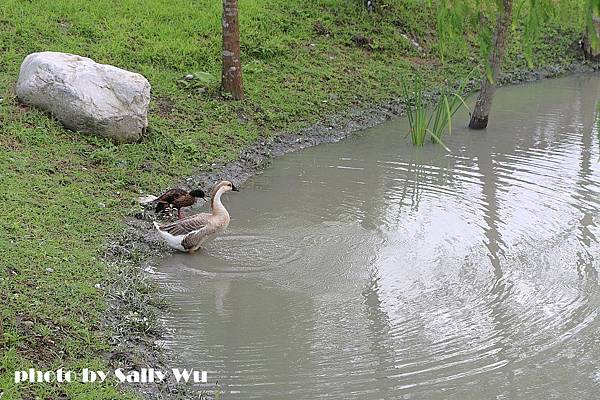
[(178, 198), (189, 233)]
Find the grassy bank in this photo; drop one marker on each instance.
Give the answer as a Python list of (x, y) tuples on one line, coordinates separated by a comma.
[(63, 194)]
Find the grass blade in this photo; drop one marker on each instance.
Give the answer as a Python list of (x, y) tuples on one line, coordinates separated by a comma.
[(440, 142)]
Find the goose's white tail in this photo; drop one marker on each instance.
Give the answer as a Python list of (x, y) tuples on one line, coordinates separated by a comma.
[(173, 241)]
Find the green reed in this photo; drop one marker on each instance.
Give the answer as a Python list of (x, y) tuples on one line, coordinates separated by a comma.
[(434, 123)]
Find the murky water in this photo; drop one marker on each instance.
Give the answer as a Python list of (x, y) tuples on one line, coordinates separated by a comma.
[(369, 269)]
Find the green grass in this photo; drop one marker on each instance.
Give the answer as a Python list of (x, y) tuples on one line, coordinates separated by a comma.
[(63, 193)]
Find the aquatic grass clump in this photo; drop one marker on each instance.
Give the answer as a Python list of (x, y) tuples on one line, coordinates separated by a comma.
[(423, 123), (416, 113)]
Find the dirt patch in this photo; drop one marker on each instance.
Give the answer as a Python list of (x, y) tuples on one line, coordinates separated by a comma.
[(134, 301), (363, 42), (165, 106), (320, 29)]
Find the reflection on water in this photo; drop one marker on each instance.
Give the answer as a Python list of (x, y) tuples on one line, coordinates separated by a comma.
[(369, 269)]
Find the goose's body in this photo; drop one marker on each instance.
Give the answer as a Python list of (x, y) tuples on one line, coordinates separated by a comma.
[(189, 233)]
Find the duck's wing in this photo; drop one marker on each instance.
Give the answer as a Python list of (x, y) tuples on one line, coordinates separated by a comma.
[(170, 195), (185, 200), (187, 225)]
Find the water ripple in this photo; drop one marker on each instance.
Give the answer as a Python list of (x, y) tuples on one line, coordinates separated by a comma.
[(369, 269)]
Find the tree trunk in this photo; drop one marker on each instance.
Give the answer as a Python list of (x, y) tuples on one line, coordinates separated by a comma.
[(591, 39), (481, 112), (231, 76)]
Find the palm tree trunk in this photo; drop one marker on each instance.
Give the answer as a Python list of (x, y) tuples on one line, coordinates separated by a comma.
[(481, 112), (231, 76)]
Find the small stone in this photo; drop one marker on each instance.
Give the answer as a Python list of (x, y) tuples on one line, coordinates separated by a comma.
[(189, 77), (147, 166), (149, 270), (49, 269), (97, 286), (147, 199), (101, 205), (312, 45), (28, 324)]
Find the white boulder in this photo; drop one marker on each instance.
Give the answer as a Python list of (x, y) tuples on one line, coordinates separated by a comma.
[(86, 96)]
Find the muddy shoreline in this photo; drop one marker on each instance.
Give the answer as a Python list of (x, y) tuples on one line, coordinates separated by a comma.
[(135, 303)]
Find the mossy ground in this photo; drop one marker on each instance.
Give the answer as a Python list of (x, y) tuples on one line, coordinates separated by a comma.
[(63, 193)]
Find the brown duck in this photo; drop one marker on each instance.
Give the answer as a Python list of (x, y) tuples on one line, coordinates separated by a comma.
[(178, 198)]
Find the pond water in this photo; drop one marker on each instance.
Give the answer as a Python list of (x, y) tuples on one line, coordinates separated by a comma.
[(370, 269)]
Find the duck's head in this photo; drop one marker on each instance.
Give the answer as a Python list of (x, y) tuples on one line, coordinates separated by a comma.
[(199, 193), (224, 186)]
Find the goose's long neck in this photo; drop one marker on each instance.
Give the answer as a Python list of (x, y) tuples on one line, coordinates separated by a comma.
[(217, 207)]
